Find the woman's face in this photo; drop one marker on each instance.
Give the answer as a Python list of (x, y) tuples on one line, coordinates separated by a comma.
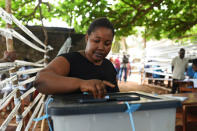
[(98, 44)]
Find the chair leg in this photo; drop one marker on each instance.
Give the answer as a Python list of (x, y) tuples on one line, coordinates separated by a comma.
[(184, 118)]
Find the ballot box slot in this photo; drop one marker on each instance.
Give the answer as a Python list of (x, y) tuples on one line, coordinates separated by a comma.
[(109, 98)]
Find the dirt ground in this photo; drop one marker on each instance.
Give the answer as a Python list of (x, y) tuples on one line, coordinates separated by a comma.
[(134, 84)]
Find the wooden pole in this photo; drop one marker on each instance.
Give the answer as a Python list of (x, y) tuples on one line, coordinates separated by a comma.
[(9, 42), (10, 48), (42, 125)]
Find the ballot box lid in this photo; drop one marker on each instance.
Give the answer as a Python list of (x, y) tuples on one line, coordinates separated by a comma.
[(75, 104)]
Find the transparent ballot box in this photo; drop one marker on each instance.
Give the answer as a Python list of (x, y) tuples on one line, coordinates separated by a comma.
[(78, 112)]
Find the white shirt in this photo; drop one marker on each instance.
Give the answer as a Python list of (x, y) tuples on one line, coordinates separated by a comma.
[(179, 67)]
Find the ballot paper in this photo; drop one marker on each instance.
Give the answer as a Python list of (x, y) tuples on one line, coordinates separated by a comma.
[(180, 98), (195, 82)]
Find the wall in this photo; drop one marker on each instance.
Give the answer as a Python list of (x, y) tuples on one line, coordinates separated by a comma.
[(56, 37)]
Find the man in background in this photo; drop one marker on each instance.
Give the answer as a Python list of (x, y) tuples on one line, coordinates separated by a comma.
[(123, 68), (179, 67)]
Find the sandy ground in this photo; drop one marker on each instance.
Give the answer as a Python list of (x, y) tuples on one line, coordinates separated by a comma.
[(134, 84)]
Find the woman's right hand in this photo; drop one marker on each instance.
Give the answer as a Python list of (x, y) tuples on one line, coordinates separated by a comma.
[(96, 87)]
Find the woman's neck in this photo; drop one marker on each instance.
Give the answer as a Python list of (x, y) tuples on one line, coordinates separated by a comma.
[(83, 53)]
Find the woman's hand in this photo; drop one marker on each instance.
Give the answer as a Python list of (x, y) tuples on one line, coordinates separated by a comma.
[(96, 87)]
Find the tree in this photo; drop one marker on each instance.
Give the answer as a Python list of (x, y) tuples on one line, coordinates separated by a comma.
[(29, 10), (160, 18), (116, 45)]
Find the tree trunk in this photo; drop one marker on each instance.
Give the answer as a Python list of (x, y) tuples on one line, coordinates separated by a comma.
[(9, 42)]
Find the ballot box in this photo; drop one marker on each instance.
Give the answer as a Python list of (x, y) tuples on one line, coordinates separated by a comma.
[(78, 112)]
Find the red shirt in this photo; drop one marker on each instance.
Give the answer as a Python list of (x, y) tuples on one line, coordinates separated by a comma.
[(117, 63)]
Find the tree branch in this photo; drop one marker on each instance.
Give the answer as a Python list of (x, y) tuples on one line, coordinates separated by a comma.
[(142, 13), (33, 13), (47, 4), (37, 6), (186, 36), (131, 5), (43, 28)]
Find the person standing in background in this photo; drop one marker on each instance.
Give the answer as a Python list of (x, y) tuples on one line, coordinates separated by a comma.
[(179, 67), (24, 77), (112, 60), (128, 69), (194, 67), (123, 68), (117, 65)]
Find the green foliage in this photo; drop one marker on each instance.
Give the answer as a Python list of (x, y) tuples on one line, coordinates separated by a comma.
[(29, 10), (2, 3), (174, 20), (161, 18)]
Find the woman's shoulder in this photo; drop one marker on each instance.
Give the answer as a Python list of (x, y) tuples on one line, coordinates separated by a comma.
[(107, 62), (71, 56)]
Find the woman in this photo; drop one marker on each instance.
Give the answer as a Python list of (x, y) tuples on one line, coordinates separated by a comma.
[(83, 71)]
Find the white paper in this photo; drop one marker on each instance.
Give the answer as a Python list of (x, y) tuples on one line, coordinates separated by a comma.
[(195, 82), (180, 98)]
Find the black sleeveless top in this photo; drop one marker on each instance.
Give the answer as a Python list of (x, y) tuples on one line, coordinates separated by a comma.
[(82, 68)]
